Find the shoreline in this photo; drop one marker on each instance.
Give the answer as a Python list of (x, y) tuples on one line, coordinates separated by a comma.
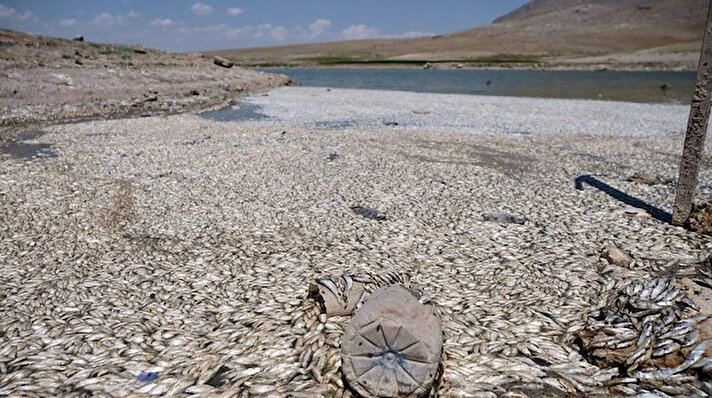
[(545, 67), (95, 111)]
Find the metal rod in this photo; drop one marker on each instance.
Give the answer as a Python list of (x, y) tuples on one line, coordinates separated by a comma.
[(696, 130)]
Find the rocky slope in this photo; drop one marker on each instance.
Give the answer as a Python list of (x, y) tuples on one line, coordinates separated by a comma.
[(45, 79)]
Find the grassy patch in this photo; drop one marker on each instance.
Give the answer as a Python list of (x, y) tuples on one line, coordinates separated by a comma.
[(505, 59), (326, 61), (122, 51)]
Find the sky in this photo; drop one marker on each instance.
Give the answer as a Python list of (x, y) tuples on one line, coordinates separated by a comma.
[(191, 25)]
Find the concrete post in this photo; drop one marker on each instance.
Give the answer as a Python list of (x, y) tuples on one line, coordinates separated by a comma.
[(696, 130)]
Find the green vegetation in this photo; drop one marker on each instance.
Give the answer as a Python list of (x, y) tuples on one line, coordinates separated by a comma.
[(506, 58), (325, 61), (124, 52)]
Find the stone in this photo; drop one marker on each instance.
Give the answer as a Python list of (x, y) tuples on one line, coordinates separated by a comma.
[(139, 50), (78, 38), (392, 346), (615, 255), (701, 217), (504, 218), (220, 61), (369, 212), (647, 178)]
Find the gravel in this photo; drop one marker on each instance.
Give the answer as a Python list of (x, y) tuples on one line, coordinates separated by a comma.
[(185, 247), (342, 108)]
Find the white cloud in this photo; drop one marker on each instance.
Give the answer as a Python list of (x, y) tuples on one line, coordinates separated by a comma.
[(278, 33), (235, 11), (105, 19), (234, 33), (6, 11), (9, 12), (26, 16), (201, 9), (318, 27), (68, 22), (361, 31), (161, 22), (411, 34), (133, 14), (224, 32)]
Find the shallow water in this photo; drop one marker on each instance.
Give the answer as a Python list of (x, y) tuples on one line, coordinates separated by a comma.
[(23, 147), (239, 111), (605, 85)]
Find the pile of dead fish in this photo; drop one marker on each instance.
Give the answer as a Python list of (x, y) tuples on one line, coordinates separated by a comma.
[(648, 333)]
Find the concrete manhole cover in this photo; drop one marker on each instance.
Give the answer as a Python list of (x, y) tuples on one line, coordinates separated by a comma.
[(392, 346)]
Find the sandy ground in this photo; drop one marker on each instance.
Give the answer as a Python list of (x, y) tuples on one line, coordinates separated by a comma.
[(185, 247), (46, 80)]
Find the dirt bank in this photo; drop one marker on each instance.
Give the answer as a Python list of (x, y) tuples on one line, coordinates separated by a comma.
[(46, 80)]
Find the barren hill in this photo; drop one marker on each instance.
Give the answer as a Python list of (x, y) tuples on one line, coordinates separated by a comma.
[(624, 33)]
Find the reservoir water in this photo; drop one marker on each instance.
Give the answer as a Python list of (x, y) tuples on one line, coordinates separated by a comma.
[(638, 86)]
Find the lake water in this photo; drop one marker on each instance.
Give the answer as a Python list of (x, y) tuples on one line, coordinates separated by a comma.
[(676, 87)]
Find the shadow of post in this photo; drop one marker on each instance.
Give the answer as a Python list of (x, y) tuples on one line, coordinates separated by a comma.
[(656, 213)]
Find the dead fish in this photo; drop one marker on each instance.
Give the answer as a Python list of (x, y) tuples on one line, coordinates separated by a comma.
[(630, 211), (666, 349), (369, 212), (503, 217), (695, 355), (647, 178), (686, 301), (329, 284), (690, 338)]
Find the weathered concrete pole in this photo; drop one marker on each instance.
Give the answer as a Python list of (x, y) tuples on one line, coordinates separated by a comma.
[(696, 130)]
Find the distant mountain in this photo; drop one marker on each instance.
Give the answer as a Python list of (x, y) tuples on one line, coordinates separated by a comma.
[(583, 33)]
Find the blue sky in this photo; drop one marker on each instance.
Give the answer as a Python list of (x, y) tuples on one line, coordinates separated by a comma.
[(179, 25)]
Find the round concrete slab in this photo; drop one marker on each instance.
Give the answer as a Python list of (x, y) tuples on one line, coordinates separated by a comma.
[(392, 346)]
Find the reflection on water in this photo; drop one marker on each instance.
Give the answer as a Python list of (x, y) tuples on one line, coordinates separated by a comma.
[(606, 85)]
